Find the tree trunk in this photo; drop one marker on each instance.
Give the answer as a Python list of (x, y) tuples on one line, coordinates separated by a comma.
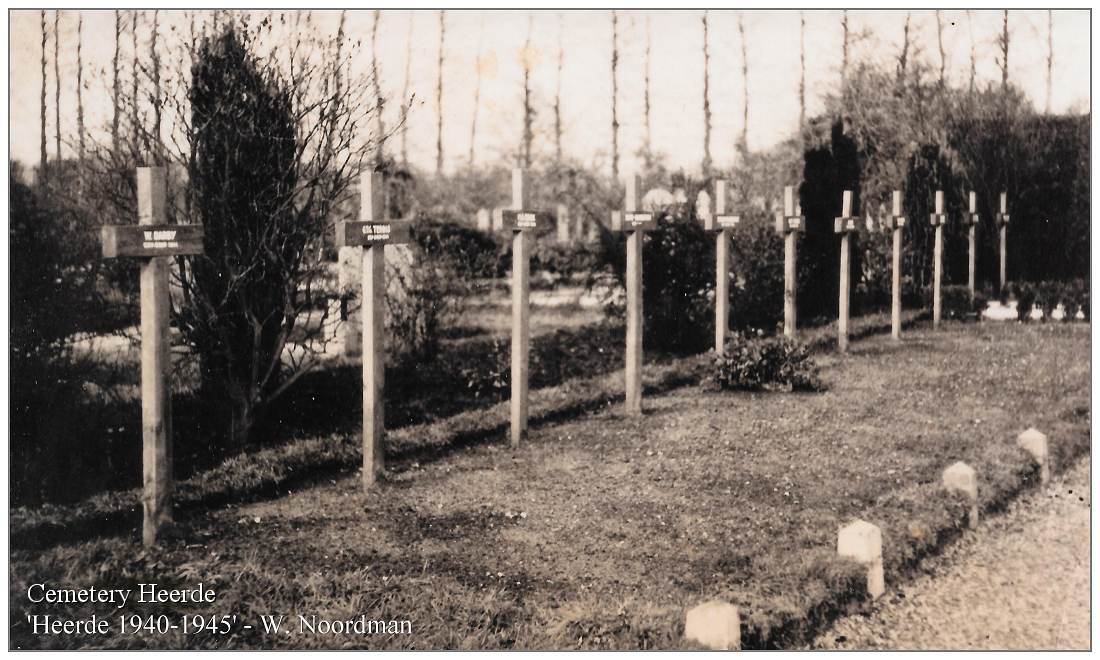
[(136, 118), (973, 53), (477, 93), (1003, 44), (801, 70), (744, 145), (648, 125), (903, 57), (158, 142), (380, 127), (1050, 57), (439, 98), (405, 95), (943, 53), (844, 56), (528, 110), (706, 95), (557, 92), (115, 88), (614, 95), (57, 85), (80, 87), (43, 173)]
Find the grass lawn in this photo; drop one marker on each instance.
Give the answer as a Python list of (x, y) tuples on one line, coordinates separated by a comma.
[(600, 531)]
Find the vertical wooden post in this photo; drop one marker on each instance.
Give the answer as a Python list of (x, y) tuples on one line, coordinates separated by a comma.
[(1004, 240), (521, 266), (155, 362), (372, 209), (845, 276), (634, 319), (973, 245), (895, 286), (790, 273), (722, 281), (937, 257)]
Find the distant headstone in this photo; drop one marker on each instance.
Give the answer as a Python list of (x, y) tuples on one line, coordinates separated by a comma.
[(1035, 443), (484, 220), (961, 478), (715, 625), (862, 542), (562, 215)]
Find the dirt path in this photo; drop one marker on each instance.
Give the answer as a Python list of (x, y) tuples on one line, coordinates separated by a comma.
[(1020, 581)]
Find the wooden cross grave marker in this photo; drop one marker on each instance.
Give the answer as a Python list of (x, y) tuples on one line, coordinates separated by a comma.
[(154, 242), (373, 232), (895, 221), (846, 225), (972, 219), (790, 223), (1002, 225), (634, 224), (939, 219), (520, 221), (722, 224)]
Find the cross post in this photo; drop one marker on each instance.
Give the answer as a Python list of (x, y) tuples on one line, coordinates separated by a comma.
[(722, 224), (154, 242), (846, 225), (1002, 224), (939, 219), (790, 223), (634, 224), (520, 221), (972, 219), (372, 232), (896, 222)]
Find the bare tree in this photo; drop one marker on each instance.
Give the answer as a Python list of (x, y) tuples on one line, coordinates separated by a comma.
[(648, 125), (557, 90), (80, 85), (844, 51), (439, 97), (115, 82), (57, 85), (615, 95), (405, 93), (477, 90), (903, 57), (706, 94), (135, 68), (528, 108), (744, 145), (973, 52), (158, 141), (376, 81), (42, 164), (1050, 56), (943, 53), (1002, 45), (801, 70)]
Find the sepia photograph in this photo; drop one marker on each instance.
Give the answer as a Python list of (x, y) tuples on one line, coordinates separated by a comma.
[(549, 329)]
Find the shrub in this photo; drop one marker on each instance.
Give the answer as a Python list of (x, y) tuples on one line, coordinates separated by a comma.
[(678, 294), (755, 362), (1026, 295), (958, 304)]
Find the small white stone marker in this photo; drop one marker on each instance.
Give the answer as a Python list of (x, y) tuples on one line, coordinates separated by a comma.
[(715, 624), (961, 478), (862, 541), (1035, 443)]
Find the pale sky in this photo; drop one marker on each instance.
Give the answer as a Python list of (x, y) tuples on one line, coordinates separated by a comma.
[(676, 72)]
